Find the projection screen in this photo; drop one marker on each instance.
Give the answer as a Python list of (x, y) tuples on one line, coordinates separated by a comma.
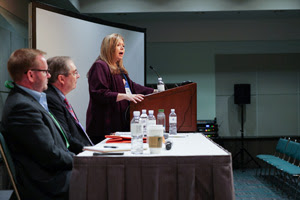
[(61, 33)]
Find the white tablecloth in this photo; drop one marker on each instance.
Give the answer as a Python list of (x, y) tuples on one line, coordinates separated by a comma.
[(183, 144), (194, 169)]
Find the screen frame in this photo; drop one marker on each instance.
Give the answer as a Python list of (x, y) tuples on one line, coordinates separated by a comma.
[(32, 26)]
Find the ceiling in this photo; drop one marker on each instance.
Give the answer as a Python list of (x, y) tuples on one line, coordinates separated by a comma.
[(131, 18)]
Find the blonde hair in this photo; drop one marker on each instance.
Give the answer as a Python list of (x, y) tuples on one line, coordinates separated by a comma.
[(107, 52)]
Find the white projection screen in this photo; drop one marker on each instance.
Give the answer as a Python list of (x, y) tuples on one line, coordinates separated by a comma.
[(61, 33)]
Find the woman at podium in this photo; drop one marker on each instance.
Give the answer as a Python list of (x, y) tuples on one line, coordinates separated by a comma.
[(111, 91)]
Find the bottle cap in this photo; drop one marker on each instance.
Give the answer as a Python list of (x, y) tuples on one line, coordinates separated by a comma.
[(151, 112), (136, 113), (172, 110), (161, 110), (159, 78), (144, 111)]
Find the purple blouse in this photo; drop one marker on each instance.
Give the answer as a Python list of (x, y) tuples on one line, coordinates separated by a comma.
[(104, 114)]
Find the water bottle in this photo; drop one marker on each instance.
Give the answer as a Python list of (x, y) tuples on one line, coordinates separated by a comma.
[(136, 134), (161, 120), (173, 122), (144, 121), (160, 85), (151, 118)]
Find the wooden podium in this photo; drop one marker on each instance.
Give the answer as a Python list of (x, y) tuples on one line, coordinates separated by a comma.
[(183, 99)]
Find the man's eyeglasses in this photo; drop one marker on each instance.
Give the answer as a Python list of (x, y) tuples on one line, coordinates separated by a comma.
[(45, 71), (75, 73)]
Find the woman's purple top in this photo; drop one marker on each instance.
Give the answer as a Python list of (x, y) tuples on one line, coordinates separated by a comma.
[(104, 114)]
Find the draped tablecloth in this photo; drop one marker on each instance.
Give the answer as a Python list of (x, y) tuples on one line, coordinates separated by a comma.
[(195, 168)]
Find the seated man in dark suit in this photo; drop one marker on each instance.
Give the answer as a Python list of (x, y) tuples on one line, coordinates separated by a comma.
[(63, 80), (38, 145)]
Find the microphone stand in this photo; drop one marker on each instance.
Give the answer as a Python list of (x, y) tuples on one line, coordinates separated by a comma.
[(155, 71), (152, 68)]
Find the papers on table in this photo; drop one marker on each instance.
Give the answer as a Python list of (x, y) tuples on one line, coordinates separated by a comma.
[(111, 147), (178, 136), (108, 148), (128, 134), (123, 134)]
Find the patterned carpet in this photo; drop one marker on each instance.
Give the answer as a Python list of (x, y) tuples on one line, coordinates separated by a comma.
[(249, 186)]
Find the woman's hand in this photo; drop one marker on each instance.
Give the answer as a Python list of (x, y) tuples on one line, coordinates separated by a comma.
[(130, 97), (135, 97)]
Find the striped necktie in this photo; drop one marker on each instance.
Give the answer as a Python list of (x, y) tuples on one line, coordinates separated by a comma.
[(70, 109)]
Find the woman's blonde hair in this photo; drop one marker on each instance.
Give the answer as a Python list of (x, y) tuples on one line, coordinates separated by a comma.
[(107, 52)]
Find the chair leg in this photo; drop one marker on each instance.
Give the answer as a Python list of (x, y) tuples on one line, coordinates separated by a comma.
[(296, 188)]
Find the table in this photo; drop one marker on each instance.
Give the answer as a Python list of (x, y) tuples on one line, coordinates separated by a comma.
[(195, 168)]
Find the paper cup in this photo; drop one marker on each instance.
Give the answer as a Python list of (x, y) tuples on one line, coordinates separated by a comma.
[(155, 138)]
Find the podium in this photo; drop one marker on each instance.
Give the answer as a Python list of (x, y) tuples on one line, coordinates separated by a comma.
[(183, 99)]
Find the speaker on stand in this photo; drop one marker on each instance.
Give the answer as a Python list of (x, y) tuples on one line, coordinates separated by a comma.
[(242, 96)]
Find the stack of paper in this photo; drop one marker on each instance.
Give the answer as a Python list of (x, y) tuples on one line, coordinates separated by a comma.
[(108, 148)]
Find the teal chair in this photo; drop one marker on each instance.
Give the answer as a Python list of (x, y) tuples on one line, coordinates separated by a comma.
[(278, 157), (9, 164)]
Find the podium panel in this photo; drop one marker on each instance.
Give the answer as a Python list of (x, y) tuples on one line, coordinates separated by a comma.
[(183, 99)]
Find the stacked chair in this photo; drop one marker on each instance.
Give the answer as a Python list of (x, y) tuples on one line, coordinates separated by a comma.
[(285, 162), (278, 156)]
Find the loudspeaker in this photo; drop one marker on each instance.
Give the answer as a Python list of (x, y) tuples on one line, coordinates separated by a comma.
[(242, 94)]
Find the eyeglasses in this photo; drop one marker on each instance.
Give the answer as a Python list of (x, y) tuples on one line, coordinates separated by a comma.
[(74, 73), (45, 71)]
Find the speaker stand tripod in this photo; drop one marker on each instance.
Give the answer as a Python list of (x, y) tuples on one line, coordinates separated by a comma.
[(243, 150)]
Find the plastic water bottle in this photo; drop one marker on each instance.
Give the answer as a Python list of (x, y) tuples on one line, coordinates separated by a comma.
[(144, 121), (136, 134), (151, 118), (173, 122), (160, 85), (161, 120)]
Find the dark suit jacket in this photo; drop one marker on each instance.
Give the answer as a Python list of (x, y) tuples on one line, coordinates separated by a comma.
[(57, 107), (42, 161)]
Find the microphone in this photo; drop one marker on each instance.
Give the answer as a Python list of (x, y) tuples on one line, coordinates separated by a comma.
[(168, 144), (186, 82), (154, 71)]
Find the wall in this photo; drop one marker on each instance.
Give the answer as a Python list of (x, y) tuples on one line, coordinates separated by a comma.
[(13, 35), (177, 62), (215, 77), (186, 49), (274, 80)]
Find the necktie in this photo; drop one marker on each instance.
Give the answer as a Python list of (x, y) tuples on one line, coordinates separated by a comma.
[(70, 109), (61, 130)]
